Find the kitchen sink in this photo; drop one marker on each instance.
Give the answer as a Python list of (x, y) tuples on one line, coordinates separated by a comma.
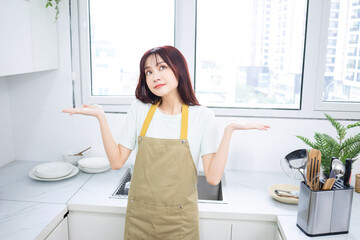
[(206, 193)]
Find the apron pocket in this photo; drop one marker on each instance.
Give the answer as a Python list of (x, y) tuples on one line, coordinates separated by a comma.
[(152, 222)]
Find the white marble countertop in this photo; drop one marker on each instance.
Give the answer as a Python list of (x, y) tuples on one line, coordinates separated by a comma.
[(22, 200), (27, 220), (16, 185), (31, 209)]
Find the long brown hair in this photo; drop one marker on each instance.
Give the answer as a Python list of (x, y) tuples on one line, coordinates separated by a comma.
[(176, 61)]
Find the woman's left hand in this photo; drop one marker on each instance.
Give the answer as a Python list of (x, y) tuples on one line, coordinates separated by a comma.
[(236, 124)]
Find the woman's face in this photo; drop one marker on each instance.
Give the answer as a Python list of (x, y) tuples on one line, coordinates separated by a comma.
[(160, 79)]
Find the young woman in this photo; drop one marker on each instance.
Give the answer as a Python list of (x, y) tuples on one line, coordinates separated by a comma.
[(170, 131)]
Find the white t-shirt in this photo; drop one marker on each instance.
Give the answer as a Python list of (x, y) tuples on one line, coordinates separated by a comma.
[(203, 134)]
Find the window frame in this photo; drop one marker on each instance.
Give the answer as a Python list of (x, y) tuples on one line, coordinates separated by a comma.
[(311, 105)]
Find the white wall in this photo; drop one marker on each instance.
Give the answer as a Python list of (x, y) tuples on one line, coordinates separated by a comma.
[(42, 132), (6, 138)]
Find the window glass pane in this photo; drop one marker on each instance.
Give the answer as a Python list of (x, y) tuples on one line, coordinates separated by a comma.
[(120, 33), (250, 53), (341, 81)]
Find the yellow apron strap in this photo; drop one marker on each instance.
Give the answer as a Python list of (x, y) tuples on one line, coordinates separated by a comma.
[(148, 118), (184, 121)]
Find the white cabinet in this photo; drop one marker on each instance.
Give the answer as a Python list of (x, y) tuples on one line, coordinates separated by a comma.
[(211, 229), (28, 41), (278, 235), (60, 232), (95, 226), (109, 226), (253, 230)]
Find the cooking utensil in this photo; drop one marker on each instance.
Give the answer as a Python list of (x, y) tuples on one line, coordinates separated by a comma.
[(286, 187), (285, 192), (328, 184), (332, 175), (347, 175), (338, 168), (285, 195), (296, 160), (127, 187), (313, 169), (80, 153)]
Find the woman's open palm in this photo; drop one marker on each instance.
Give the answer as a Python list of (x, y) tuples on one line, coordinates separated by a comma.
[(90, 110), (245, 125)]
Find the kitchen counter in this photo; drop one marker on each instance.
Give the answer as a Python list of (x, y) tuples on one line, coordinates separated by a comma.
[(247, 197), (28, 220), (24, 201), (31, 209)]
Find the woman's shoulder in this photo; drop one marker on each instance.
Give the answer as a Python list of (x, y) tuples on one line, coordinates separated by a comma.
[(202, 111)]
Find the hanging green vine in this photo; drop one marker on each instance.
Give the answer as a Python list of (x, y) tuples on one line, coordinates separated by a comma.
[(51, 3)]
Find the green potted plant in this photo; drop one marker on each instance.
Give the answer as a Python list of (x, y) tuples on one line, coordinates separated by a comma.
[(340, 148)]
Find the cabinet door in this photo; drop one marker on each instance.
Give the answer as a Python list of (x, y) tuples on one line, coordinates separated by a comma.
[(60, 232), (44, 36), (253, 230), (95, 226), (211, 229), (28, 41), (278, 235), (15, 41)]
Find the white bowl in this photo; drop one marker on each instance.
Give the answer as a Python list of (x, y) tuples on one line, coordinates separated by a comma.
[(70, 158), (94, 163), (53, 169)]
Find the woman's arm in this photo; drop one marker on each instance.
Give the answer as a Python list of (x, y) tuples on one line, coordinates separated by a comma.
[(214, 163), (116, 153)]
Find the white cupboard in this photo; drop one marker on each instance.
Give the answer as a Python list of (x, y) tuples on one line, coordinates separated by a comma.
[(253, 230), (109, 226), (28, 41), (212, 229), (95, 226), (60, 232), (278, 235)]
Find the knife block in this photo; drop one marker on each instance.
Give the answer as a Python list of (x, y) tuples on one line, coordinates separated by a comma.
[(323, 213)]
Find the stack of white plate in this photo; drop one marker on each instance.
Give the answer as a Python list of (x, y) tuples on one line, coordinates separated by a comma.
[(53, 171), (94, 165)]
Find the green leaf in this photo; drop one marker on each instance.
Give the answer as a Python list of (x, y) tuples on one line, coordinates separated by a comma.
[(354, 151), (353, 125), (320, 140), (350, 141), (340, 129), (306, 141)]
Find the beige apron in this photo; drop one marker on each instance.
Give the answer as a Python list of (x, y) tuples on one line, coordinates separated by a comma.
[(163, 200)]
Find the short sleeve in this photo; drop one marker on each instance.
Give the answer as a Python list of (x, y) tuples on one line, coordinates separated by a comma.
[(210, 136), (127, 136)]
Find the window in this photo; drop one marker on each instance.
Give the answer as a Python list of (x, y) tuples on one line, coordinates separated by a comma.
[(269, 58), (230, 63), (341, 88), (121, 32), (118, 34)]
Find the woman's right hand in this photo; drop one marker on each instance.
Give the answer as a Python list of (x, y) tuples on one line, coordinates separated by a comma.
[(90, 110)]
